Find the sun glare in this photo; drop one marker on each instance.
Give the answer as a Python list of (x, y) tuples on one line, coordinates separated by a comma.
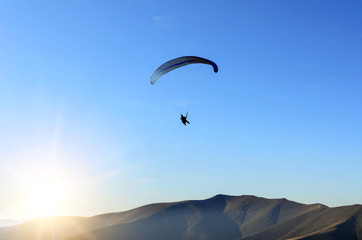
[(45, 196)]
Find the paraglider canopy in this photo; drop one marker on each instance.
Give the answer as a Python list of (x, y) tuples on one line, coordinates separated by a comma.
[(177, 63)]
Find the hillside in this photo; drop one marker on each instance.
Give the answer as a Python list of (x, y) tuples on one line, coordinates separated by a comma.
[(220, 217)]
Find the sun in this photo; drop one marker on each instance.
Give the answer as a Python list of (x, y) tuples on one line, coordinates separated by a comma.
[(46, 195)]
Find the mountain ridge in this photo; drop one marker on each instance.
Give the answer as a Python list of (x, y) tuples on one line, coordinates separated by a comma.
[(244, 217)]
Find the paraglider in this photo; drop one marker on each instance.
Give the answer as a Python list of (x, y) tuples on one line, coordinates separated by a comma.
[(177, 63), (184, 119)]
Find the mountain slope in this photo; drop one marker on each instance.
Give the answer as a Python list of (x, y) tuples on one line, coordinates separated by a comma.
[(9, 222), (220, 217)]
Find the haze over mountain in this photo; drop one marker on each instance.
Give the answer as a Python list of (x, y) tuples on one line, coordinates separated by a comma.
[(220, 217), (9, 222)]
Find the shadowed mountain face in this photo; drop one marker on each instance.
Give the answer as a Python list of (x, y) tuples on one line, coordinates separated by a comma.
[(218, 218)]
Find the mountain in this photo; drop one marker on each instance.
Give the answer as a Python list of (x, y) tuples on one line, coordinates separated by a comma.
[(9, 222), (218, 218)]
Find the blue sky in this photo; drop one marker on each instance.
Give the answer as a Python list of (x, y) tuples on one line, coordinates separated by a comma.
[(281, 118)]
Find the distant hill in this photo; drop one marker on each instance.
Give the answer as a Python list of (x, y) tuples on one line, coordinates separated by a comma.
[(9, 222), (218, 218)]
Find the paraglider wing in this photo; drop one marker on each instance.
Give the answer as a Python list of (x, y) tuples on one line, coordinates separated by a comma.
[(179, 62)]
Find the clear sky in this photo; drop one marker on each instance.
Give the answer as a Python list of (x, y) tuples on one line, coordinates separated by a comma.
[(83, 132)]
